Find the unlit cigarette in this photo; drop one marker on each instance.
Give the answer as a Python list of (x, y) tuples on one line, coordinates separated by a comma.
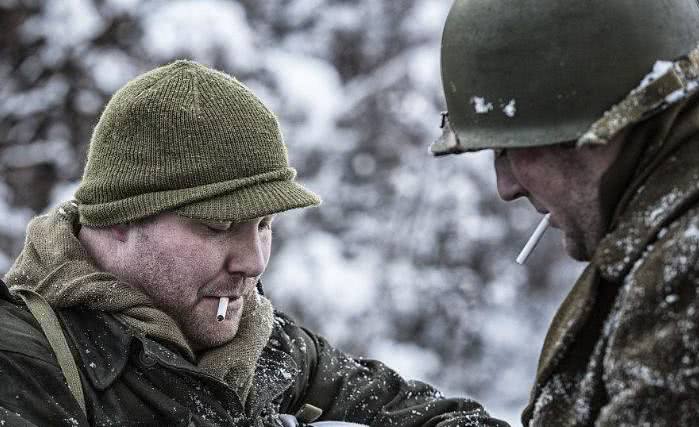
[(532, 242), (222, 308)]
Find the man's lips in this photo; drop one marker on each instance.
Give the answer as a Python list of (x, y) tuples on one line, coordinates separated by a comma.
[(233, 292), (212, 304), (540, 209), (230, 296), (535, 203), (552, 219)]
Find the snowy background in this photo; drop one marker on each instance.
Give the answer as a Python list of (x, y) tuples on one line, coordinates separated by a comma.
[(408, 260)]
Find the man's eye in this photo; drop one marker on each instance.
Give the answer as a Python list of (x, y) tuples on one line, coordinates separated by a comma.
[(218, 226), (498, 152), (266, 224)]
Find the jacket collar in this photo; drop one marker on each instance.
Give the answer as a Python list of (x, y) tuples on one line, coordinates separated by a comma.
[(102, 342), (104, 346), (669, 191), (569, 319)]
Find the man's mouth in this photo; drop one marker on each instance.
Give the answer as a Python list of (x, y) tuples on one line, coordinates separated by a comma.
[(536, 205), (232, 292), (227, 306), (542, 211), (231, 297)]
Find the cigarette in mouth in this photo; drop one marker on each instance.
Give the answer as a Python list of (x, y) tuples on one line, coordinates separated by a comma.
[(222, 307), (532, 242)]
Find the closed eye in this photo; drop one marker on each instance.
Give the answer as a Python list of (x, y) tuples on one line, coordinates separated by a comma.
[(266, 223), (219, 226)]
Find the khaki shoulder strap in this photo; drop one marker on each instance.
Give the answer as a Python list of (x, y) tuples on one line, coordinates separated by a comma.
[(49, 323)]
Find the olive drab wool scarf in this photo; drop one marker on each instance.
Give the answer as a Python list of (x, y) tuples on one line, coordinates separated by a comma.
[(54, 264)]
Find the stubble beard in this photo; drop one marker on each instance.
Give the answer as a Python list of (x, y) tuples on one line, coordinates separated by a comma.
[(159, 277), (582, 239), (576, 248)]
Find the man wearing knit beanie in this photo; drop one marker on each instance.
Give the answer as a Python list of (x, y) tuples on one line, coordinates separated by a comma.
[(140, 302)]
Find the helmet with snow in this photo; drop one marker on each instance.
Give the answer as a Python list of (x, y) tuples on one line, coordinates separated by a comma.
[(538, 72)]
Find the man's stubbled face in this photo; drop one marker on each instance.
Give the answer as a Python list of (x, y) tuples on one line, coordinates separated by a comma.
[(186, 265), (566, 182)]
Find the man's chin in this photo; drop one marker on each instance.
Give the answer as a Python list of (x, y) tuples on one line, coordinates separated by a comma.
[(212, 335), (575, 248)]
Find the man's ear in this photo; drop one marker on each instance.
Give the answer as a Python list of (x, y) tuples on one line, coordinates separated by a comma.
[(119, 232)]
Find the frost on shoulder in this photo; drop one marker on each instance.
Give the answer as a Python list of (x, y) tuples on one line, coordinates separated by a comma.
[(659, 69), (666, 84)]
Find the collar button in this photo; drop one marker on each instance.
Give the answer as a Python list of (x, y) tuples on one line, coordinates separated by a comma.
[(146, 360)]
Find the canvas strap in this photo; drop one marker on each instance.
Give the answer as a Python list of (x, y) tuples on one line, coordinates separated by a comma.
[(53, 330)]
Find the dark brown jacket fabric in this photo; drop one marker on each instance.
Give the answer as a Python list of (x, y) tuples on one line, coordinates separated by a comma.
[(623, 349), (132, 380)]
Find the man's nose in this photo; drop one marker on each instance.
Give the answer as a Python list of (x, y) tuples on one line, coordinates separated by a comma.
[(247, 255), (508, 187)]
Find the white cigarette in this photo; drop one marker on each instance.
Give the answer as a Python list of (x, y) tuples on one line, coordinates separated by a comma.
[(532, 242), (222, 308)]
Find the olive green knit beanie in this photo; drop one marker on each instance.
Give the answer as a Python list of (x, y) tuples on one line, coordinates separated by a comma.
[(188, 139)]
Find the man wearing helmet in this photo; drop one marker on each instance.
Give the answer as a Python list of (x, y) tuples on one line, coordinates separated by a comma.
[(592, 111)]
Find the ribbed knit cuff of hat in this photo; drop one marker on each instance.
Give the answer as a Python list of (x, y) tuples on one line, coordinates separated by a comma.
[(235, 200), (189, 139)]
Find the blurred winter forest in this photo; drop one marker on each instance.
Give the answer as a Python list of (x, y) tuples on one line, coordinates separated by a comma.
[(410, 259)]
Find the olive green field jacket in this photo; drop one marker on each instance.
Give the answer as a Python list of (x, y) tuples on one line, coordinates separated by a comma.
[(132, 380)]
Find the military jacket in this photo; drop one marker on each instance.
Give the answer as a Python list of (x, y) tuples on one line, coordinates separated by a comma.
[(623, 349), (132, 380)]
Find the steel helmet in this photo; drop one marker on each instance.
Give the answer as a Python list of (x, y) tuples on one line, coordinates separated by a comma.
[(520, 73)]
